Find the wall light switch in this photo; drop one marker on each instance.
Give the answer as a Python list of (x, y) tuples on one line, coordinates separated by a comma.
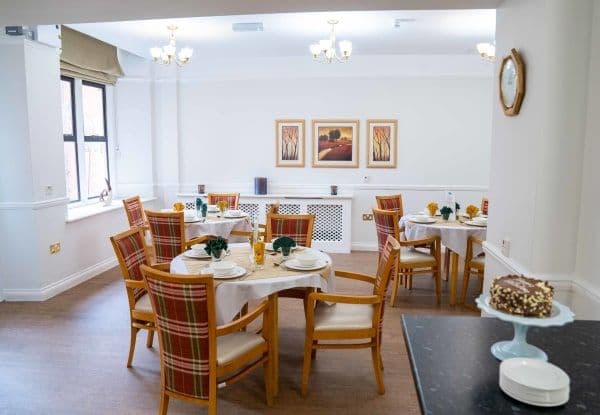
[(55, 248), (49, 189)]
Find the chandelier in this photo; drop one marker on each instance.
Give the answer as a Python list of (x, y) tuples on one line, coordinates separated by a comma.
[(167, 54), (487, 51), (325, 51)]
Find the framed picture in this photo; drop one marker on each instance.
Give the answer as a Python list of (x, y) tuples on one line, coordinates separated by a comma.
[(382, 143), (335, 143), (289, 143)]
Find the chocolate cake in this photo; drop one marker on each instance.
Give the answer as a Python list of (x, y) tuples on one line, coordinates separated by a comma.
[(522, 296)]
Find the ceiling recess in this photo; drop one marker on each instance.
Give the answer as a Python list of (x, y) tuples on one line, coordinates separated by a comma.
[(402, 20), (247, 27)]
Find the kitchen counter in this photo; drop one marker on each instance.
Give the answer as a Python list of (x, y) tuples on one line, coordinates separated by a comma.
[(455, 372)]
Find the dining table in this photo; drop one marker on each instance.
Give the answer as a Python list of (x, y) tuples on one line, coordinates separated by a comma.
[(258, 282), (454, 234), (217, 224)]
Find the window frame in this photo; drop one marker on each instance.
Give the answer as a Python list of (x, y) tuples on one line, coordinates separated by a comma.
[(95, 138), (72, 138)]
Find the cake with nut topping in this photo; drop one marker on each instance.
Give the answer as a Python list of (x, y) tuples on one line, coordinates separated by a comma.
[(521, 296)]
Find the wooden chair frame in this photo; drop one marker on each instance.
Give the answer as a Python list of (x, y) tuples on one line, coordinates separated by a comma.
[(210, 196), (372, 334), (404, 271), (185, 244), (471, 268), (379, 199), (233, 371), (139, 320)]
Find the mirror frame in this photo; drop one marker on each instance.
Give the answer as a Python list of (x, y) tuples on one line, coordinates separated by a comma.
[(520, 74)]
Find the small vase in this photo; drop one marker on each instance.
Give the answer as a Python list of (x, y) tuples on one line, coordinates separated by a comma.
[(446, 216), (204, 210), (285, 252), (108, 198)]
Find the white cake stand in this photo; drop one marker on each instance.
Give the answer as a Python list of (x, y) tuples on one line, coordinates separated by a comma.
[(518, 346)]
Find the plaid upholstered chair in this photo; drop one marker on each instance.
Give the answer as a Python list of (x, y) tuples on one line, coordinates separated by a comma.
[(390, 202), (135, 212), (195, 354), (168, 234), (232, 199), (474, 265), (352, 319), (131, 252), (410, 261), (300, 229)]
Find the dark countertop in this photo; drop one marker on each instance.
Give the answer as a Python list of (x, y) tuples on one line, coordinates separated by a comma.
[(455, 372)]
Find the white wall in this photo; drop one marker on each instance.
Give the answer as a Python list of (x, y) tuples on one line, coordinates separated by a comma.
[(588, 260), (226, 120)]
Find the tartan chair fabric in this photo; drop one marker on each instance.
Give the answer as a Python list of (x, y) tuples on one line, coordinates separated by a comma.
[(135, 212), (297, 227), (386, 224), (182, 321), (131, 252), (168, 234), (392, 202), (232, 199)]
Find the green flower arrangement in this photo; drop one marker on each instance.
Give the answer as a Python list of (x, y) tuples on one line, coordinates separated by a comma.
[(285, 243), (216, 246), (446, 211)]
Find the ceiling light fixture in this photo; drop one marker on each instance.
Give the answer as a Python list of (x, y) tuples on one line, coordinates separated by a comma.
[(167, 54), (399, 22), (487, 51), (325, 50), (247, 27)]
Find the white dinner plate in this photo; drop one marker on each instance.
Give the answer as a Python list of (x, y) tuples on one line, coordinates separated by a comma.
[(192, 254), (475, 223), (295, 265), (192, 220), (237, 272), (229, 216), (424, 221)]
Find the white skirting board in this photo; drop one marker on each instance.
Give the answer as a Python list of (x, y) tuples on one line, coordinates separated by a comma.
[(60, 286)]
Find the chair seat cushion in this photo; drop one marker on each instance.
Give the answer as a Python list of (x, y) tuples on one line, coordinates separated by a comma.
[(343, 316), (413, 256), (143, 304), (233, 345), (479, 260)]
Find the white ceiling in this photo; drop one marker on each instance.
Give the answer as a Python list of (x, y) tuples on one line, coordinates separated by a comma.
[(289, 34)]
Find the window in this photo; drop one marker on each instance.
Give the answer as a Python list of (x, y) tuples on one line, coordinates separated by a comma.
[(85, 101)]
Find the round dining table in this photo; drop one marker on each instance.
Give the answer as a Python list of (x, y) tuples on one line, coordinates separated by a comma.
[(231, 294), (216, 224), (454, 235)]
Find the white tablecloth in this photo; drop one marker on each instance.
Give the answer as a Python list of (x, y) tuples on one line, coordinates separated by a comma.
[(230, 297), (218, 227), (454, 236)]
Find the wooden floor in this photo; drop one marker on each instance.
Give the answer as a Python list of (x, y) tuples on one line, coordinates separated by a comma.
[(67, 356)]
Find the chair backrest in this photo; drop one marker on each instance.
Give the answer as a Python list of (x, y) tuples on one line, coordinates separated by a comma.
[(484, 205), (391, 202), (185, 321), (168, 234), (135, 211), (386, 224), (388, 260), (273, 209), (130, 249), (297, 227), (232, 199)]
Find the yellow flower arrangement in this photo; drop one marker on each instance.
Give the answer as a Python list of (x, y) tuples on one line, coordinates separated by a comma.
[(178, 207), (472, 211), (432, 207), (222, 205)]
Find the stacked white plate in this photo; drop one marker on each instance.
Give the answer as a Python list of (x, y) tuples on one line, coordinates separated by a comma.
[(534, 382)]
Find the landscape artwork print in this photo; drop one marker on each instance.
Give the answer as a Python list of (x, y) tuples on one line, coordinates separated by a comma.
[(289, 143), (382, 143), (335, 143)]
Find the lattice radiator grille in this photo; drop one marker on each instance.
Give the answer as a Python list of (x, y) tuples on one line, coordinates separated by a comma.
[(251, 209), (328, 222), (285, 209)]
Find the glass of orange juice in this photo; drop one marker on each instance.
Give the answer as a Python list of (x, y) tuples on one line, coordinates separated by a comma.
[(259, 253)]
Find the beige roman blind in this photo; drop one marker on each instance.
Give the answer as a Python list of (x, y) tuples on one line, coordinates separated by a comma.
[(88, 58)]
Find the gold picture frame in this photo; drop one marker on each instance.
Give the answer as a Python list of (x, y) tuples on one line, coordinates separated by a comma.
[(290, 143), (382, 144), (335, 143)]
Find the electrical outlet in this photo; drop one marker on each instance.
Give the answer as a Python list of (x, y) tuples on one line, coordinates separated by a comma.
[(367, 216), (55, 248)]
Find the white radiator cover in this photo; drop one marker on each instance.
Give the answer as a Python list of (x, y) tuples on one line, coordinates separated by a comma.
[(333, 214)]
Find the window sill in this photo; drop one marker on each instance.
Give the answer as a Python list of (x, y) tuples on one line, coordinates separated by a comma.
[(77, 213)]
